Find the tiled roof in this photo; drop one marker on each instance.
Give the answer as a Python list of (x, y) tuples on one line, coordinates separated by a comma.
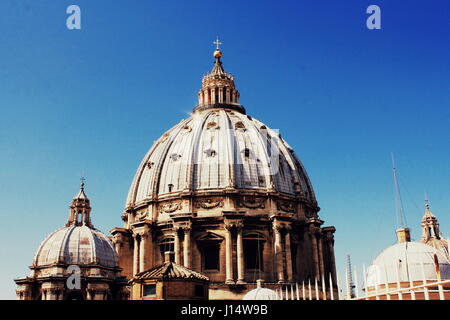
[(170, 270)]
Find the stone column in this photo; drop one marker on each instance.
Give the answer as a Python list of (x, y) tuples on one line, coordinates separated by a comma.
[(320, 247), (187, 248), (240, 254), (228, 96), (220, 95), (177, 246), (314, 250), (213, 96), (206, 95), (330, 242), (135, 254), (145, 251), (278, 251), (288, 254), (43, 294), (228, 255)]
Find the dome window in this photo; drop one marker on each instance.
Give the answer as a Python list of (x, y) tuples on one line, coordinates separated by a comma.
[(187, 129), (212, 125), (239, 125), (150, 164), (175, 156), (210, 153), (246, 152), (170, 187)]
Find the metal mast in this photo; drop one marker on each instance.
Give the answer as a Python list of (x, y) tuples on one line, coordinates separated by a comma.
[(349, 279), (401, 219)]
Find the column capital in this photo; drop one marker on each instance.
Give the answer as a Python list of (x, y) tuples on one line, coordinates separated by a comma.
[(328, 233), (142, 228), (184, 226), (314, 230), (314, 221), (278, 225), (235, 223)]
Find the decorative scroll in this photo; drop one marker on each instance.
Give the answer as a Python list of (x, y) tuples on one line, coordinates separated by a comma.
[(252, 203), (141, 215), (286, 206), (209, 203), (171, 207)]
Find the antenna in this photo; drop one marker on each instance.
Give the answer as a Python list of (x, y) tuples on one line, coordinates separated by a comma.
[(401, 219)]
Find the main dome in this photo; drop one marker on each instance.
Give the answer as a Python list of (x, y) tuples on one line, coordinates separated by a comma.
[(217, 149)]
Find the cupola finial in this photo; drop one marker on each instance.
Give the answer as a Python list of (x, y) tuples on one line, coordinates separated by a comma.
[(217, 53)]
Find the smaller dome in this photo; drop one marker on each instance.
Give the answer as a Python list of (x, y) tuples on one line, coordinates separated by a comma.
[(408, 258), (79, 245), (261, 293)]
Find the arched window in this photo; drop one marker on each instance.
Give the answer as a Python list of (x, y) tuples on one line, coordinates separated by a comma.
[(79, 217)]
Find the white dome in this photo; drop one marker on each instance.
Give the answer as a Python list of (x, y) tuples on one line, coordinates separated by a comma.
[(409, 256), (261, 293), (216, 149), (78, 245)]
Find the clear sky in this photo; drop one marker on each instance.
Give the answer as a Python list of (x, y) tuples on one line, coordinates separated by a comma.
[(92, 101)]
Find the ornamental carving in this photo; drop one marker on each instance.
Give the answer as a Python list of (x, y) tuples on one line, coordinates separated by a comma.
[(141, 215), (209, 203), (251, 203), (171, 207), (286, 206), (150, 164)]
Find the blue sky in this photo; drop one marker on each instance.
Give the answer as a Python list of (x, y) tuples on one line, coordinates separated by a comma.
[(93, 100)]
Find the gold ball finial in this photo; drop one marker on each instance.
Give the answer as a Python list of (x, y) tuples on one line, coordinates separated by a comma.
[(217, 54)]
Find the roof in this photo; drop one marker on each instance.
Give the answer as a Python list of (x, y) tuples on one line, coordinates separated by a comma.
[(170, 270)]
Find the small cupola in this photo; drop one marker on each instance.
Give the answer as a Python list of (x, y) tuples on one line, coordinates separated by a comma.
[(218, 88), (80, 209)]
